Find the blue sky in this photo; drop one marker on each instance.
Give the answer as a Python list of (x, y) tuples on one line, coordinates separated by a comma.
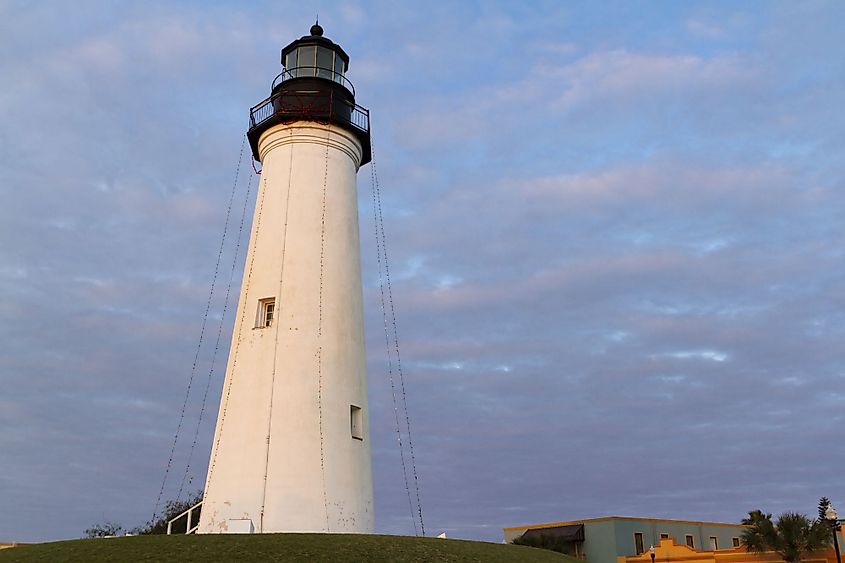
[(615, 233)]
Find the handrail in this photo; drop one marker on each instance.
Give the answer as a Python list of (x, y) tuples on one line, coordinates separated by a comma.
[(316, 104), (313, 72), (188, 528)]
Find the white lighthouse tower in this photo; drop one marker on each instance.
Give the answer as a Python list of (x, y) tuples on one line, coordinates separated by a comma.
[(291, 449)]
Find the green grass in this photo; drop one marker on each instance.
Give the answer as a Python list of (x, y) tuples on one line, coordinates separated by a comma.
[(278, 547)]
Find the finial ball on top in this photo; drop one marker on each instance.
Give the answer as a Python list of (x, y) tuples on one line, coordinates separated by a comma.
[(316, 30)]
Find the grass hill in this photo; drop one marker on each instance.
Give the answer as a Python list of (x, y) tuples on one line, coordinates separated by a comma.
[(279, 547)]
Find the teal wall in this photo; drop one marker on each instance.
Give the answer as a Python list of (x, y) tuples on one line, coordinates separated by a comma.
[(600, 541), (607, 539)]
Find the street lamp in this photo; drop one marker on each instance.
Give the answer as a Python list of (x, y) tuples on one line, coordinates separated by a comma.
[(832, 517), (651, 552)]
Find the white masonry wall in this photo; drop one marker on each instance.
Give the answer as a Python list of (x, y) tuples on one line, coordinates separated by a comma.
[(283, 454)]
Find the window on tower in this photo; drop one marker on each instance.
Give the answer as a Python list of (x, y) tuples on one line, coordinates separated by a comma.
[(266, 312), (290, 60), (356, 422), (306, 59), (324, 62)]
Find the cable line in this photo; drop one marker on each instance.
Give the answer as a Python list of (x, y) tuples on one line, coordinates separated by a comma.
[(224, 400), (202, 332), (320, 332), (384, 279), (219, 335)]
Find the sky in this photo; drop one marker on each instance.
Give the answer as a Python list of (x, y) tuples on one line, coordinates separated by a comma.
[(615, 232)]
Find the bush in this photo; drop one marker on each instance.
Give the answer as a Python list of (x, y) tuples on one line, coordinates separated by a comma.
[(103, 530), (172, 508), (543, 541)]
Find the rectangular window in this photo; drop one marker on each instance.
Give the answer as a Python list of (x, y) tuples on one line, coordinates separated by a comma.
[(266, 312), (324, 62), (306, 60), (714, 543), (356, 422), (690, 541), (638, 542), (664, 536), (290, 61), (735, 542)]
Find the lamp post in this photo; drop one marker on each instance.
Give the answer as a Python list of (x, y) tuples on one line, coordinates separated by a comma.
[(832, 517), (651, 552)]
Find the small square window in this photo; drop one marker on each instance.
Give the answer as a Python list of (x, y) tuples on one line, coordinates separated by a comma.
[(356, 422), (664, 536), (735, 542), (638, 542), (690, 541), (266, 312)]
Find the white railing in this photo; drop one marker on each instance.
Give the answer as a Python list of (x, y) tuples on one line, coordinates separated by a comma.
[(188, 513)]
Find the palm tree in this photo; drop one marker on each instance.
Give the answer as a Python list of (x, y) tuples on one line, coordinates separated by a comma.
[(791, 536), (755, 516)]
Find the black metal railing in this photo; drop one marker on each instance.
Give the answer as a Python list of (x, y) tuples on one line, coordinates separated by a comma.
[(316, 105), (312, 72)]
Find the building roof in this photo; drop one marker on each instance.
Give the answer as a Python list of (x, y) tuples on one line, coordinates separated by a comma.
[(570, 532), (606, 518)]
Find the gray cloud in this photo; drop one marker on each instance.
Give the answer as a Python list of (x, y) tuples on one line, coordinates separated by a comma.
[(617, 255)]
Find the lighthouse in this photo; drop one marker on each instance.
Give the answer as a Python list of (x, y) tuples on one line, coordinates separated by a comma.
[(291, 449)]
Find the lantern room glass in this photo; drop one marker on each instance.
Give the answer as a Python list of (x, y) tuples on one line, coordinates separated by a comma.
[(312, 60), (325, 58), (290, 61)]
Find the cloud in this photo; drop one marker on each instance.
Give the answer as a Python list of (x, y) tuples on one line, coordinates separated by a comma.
[(648, 101), (616, 253), (622, 75)]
